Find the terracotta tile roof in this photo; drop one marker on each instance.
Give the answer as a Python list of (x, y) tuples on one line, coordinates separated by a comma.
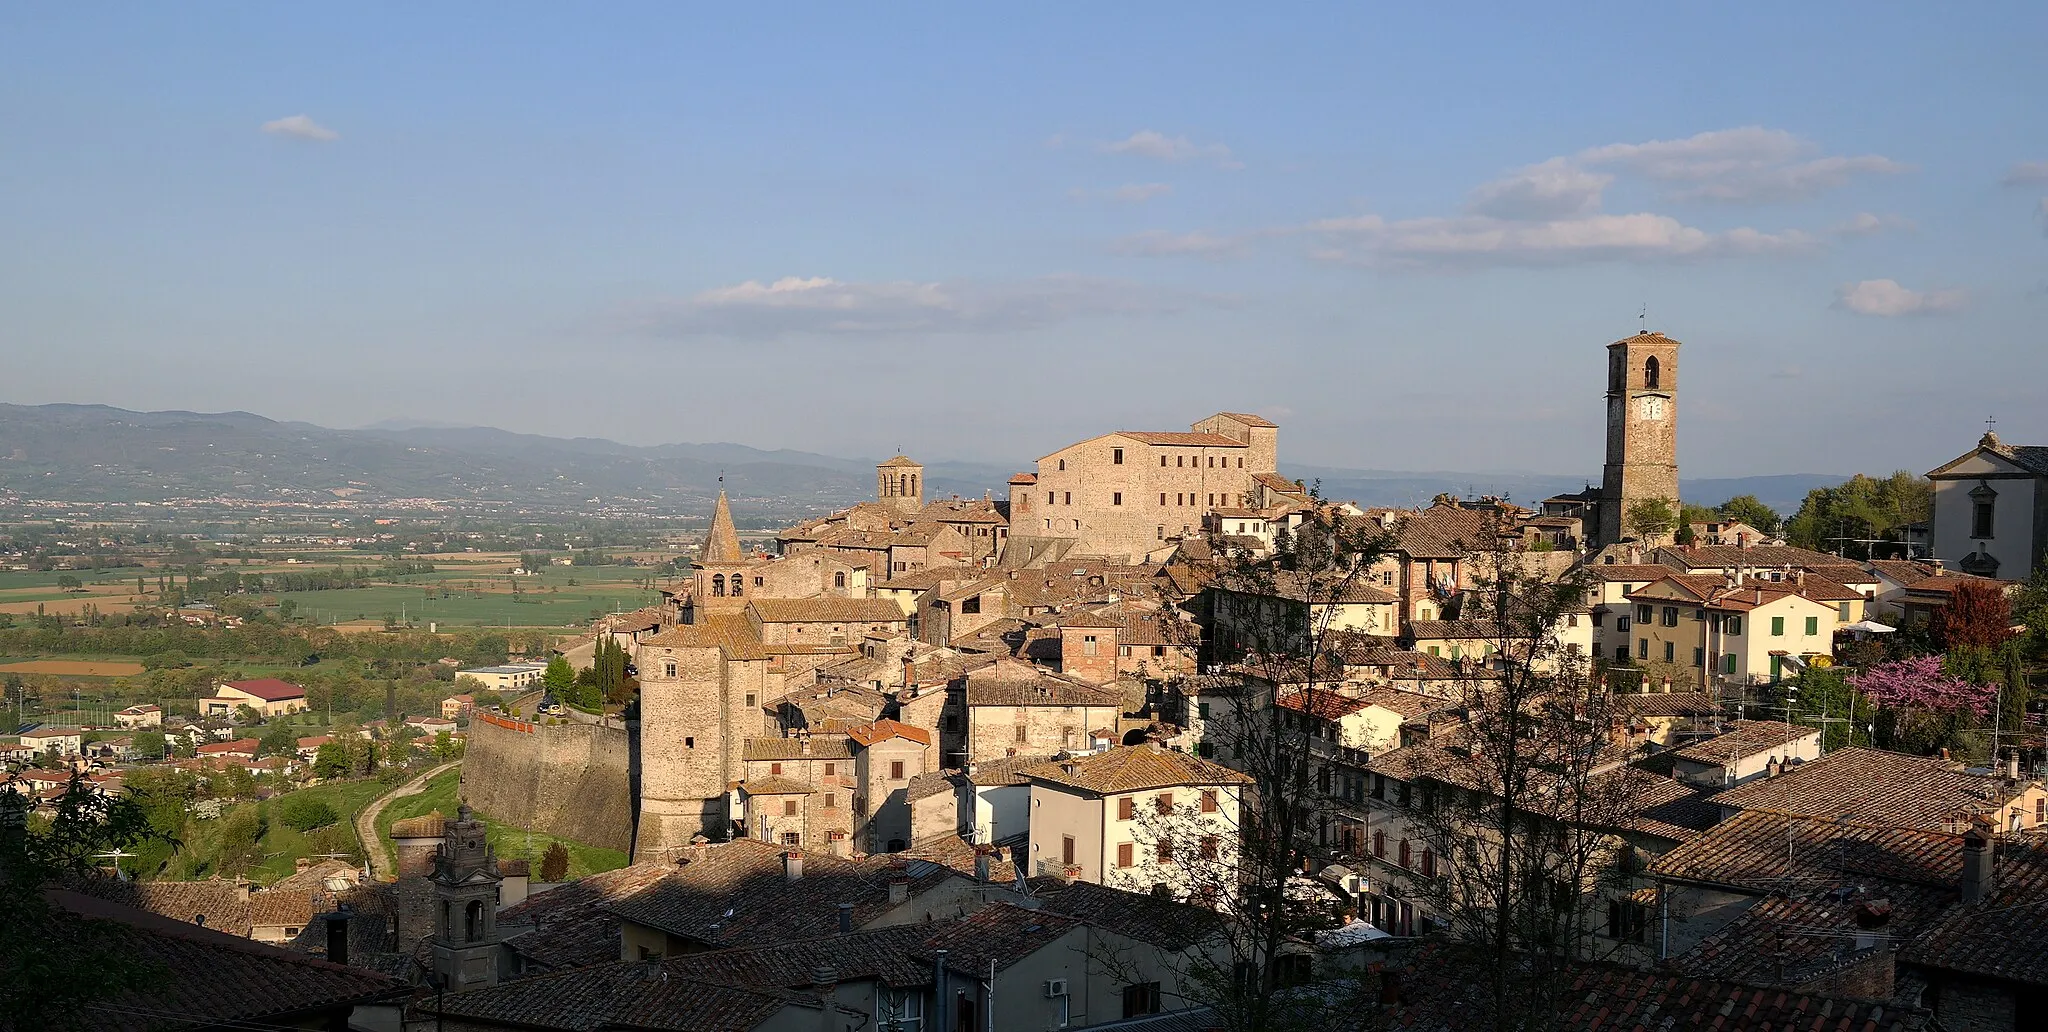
[(1323, 702), (1789, 940), (1878, 787), (827, 610), (1248, 419), (1009, 683), (895, 956), (744, 879), (784, 747), (1905, 571), (773, 785), (1276, 482), (269, 689), (1182, 440), (931, 783), (295, 899), (1134, 768), (885, 729), (1745, 738), (1667, 704), (568, 925), (1298, 587), (1000, 932), (2000, 937), (1645, 572), (1024, 478), (1666, 808), (431, 825), (902, 460), (214, 977), (1137, 915), (731, 633), (1084, 618), (1759, 851), (1753, 557), (1450, 629), (215, 903), (619, 995), (1003, 770)]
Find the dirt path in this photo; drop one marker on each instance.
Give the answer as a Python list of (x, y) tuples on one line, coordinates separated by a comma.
[(381, 865)]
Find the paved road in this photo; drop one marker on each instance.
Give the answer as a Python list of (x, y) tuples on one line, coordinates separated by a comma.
[(382, 865)]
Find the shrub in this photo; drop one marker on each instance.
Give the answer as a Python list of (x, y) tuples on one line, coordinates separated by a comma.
[(302, 814), (554, 864)]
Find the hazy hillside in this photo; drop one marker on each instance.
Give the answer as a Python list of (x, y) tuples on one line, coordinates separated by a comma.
[(99, 453)]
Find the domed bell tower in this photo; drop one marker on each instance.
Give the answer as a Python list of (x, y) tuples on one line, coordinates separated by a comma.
[(1642, 434), (465, 882)]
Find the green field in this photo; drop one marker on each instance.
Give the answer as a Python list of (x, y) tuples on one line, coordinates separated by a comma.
[(510, 842), (282, 846), (567, 606)]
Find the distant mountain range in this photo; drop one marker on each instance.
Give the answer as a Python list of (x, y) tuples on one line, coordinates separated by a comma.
[(100, 453)]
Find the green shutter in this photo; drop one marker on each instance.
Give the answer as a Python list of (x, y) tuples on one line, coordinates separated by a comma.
[(1777, 627), (1812, 625)]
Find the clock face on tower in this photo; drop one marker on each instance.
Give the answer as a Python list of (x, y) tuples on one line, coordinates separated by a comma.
[(1652, 407)]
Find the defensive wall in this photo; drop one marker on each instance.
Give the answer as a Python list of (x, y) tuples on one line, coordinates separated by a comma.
[(572, 781)]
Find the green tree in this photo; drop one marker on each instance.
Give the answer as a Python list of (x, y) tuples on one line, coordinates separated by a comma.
[(70, 583), (241, 835), (445, 746), (279, 739), (304, 814), (1835, 518), (1651, 518), (1749, 509), (559, 678), (150, 745), (332, 760)]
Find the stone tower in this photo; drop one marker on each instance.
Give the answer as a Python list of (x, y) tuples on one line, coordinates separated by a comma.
[(721, 568), (1642, 430), (899, 484), (466, 906)]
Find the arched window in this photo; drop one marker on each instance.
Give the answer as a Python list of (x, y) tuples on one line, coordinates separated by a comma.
[(902, 483), (1652, 370), (913, 485), (839, 578), (737, 583), (473, 921), (718, 585)]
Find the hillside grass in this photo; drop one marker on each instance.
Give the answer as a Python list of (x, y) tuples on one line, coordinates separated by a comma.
[(511, 843), (283, 846)]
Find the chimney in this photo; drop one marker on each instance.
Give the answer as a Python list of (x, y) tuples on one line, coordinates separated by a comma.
[(2012, 765), (793, 865), (1773, 768), (899, 888), (804, 745), (825, 983), (337, 934), (301, 863), (1980, 874), (845, 918), (1872, 919), (981, 865)]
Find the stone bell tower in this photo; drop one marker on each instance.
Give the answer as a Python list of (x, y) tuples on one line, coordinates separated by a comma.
[(465, 882), (1642, 432), (899, 484)]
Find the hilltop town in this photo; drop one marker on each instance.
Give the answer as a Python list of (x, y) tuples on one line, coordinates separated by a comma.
[(1150, 730)]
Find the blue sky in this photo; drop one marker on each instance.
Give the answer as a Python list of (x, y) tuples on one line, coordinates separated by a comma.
[(1403, 234)]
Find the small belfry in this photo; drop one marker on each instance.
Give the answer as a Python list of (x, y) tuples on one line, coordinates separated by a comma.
[(1642, 435), (899, 484), (465, 880)]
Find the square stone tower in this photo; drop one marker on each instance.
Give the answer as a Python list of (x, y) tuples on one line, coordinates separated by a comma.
[(899, 484), (1642, 431), (465, 879)]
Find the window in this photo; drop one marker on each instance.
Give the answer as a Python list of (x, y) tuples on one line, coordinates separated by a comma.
[(757, 582), (1670, 616), (1728, 663), (1116, 455), (1379, 844), (1428, 863), (1645, 614), (1842, 612), (1983, 511), (1652, 373), (690, 743), (1240, 464), (774, 769), (1212, 462), (1116, 498), (1777, 627), (970, 605), (789, 807), (831, 801), (1162, 501), (1023, 734), (1162, 462), (1669, 648), (1052, 498), (1642, 648), (1141, 999), (668, 668), (1162, 527), (1165, 851), (1066, 497), (1734, 626), (736, 585), (1625, 920), (1699, 657), (1622, 623), (1599, 618), (1126, 808), (839, 578), (1211, 845), (792, 838), (1123, 854), (1208, 800), (1180, 461), (1088, 645), (895, 770), (1165, 802), (831, 769), (1403, 861), (1066, 849), (1063, 464)]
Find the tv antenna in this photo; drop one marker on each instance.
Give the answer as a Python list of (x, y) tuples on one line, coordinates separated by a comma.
[(1643, 319)]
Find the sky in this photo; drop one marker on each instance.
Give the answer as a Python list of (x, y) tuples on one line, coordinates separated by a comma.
[(1405, 233)]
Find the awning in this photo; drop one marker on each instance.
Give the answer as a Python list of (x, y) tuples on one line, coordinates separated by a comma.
[(1869, 627)]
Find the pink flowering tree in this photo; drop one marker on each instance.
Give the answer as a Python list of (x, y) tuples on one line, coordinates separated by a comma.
[(1919, 684)]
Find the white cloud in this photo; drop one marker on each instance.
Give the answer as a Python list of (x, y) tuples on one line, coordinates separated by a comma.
[(820, 305), (1746, 164), (1129, 193), (1150, 143), (1887, 299), (301, 127), (1552, 189), (1865, 223), (1483, 240), (1160, 242), (2027, 173)]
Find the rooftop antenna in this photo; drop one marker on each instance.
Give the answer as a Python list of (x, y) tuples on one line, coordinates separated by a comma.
[(1643, 319)]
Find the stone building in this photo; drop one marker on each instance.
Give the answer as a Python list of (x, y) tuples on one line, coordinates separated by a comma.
[(1642, 431), (1991, 509), (1014, 708), (1124, 494)]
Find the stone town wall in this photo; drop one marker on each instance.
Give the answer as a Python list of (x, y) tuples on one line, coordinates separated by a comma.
[(572, 780)]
